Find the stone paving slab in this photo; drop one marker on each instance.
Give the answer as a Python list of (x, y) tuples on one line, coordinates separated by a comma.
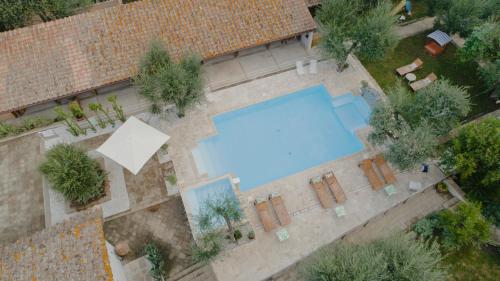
[(21, 193)]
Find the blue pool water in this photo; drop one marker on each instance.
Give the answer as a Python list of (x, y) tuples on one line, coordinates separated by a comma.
[(283, 136)]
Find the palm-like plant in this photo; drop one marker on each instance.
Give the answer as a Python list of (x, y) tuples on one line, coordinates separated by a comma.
[(73, 173), (223, 207)]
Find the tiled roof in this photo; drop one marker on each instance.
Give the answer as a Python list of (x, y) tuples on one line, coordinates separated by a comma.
[(73, 250), (90, 50), (311, 3)]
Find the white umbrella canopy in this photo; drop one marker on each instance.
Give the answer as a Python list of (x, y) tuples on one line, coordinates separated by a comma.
[(132, 144)]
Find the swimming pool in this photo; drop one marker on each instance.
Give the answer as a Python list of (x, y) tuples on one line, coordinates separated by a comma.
[(283, 136)]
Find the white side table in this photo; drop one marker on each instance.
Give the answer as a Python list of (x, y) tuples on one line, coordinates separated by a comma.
[(410, 77)]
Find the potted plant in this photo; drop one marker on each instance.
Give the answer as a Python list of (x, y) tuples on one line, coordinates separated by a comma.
[(442, 187)]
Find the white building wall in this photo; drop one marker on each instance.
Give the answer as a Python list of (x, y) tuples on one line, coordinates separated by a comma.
[(116, 265)]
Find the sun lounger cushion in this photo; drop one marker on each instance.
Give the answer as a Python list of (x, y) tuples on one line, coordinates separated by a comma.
[(375, 181), (335, 187), (264, 215), (420, 84), (280, 209), (384, 169), (321, 190), (416, 64)]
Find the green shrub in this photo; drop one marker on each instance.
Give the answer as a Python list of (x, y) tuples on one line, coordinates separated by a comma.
[(208, 247), (237, 235), (157, 259), (463, 227), (400, 257), (31, 123), (172, 179), (426, 227), (73, 173), (8, 130), (251, 235)]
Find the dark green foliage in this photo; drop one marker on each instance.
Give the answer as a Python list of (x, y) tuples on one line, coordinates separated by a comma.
[(14, 14), (163, 81), (157, 260), (237, 235), (426, 227), (208, 247), (55, 9), (399, 257), (73, 173), (474, 155), (462, 16), (463, 227), (364, 27)]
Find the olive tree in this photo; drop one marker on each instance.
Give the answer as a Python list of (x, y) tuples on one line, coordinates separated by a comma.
[(399, 257), (348, 26), (461, 16), (410, 124), (164, 81)]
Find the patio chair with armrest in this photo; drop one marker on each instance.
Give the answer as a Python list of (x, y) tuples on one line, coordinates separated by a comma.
[(420, 84)]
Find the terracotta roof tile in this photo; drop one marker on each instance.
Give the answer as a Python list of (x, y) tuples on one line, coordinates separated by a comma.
[(73, 250), (78, 53)]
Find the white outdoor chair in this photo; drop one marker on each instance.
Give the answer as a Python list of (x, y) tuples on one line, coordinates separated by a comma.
[(300, 67), (313, 66)]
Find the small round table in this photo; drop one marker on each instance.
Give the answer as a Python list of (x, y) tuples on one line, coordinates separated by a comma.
[(410, 77)]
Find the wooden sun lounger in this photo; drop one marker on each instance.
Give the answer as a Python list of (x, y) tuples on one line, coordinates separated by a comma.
[(384, 169), (279, 208), (264, 214), (321, 190), (375, 181), (335, 187), (420, 84), (416, 64)]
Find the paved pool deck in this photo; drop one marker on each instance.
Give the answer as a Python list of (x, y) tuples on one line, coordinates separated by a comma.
[(312, 226)]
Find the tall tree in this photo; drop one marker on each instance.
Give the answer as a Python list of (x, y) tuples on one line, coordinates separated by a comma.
[(355, 26), (461, 16), (399, 257), (162, 80), (410, 124), (475, 156), (483, 45)]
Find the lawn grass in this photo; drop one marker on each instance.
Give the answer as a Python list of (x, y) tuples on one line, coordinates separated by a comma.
[(473, 265), (447, 65)]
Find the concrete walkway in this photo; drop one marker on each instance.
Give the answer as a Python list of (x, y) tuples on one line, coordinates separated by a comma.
[(396, 219), (416, 27)]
